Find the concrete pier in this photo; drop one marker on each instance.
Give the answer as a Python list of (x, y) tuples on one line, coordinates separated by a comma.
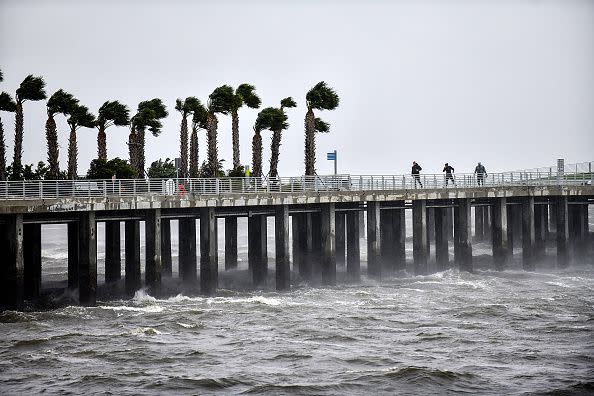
[(487, 226), (32, 260), (209, 263), (510, 231), (340, 238), (462, 235), (387, 237), (166, 262), (479, 216), (399, 223), (500, 233), (188, 271), (281, 241), (153, 265), (87, 264), (353, 247), (539, 231), (257, 246), (374, 264), (304, 250), (113, 257), (441, 239), (562, 231), (420, 243), (230, 243), (528, 235), (72, 230), (328, 244), (132, 256), (430, 228), (12, 262)]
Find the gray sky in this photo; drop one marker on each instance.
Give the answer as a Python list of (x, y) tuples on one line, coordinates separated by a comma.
[(506, 82)]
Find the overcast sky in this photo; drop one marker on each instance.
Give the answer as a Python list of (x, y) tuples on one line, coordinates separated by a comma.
[(506, 82)]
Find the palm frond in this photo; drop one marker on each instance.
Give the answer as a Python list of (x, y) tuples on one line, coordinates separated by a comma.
[(248, 95), (322, 97), (179, 105), (322, 126), (288, 102), (114, 111), (7, 103), (221, 100), (1, 76), (61, 102), (81, 117), (32, 88)]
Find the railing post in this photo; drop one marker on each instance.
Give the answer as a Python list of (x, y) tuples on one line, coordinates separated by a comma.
[(217, 186), (104, 188), (134, 187), (23, 189)]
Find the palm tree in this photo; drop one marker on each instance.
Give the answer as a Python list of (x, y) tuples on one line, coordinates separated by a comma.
[(185, 108), (148, 115), (279, 124), (219, 101), (6, 104), (79, 117), (32, 88), (264, 120), (244, 94), (110, 113), (199, 118), (320, 97), (64, 103)]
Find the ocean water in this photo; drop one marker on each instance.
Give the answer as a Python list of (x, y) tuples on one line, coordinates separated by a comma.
[(489, 332)]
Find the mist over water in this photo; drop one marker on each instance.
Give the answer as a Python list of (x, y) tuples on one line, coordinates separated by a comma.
[(509, 332)]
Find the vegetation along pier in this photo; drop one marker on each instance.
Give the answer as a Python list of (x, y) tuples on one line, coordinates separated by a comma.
[(513, 209)]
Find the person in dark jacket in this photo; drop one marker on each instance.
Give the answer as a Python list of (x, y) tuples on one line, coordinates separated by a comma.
[(481, 173), (449, 176), (416, 169)]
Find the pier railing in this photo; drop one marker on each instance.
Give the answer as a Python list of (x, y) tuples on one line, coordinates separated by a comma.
[(47, 189)]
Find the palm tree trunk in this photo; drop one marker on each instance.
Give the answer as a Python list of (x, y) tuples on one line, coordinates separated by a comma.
[(102, 143), (211, 125), (183, 150), (235, 137), (2, 153), (141, 160), (18, 139), (72, 154), (274, 153), (310, 143), (53, 153), (257, 154), (194, 152), (131, 148)]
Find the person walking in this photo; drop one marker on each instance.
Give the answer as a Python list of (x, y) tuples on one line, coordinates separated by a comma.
[(416, 169), (449, 176), (481, 174)]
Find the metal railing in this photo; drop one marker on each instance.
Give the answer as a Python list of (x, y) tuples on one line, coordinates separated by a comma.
[(48, 189)]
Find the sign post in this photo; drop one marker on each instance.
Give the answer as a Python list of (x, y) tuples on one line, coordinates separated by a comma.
[(333, 157)]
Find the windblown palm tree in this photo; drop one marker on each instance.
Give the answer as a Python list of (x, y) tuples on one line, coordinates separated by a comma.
[(244, 94), (320, 97), (279, 124), (110, 113), (148, 115), (264, 120), (64, 103), (219, 101), (199, 118), (79, 117), (32, 88), (6, 104), (185, 108)]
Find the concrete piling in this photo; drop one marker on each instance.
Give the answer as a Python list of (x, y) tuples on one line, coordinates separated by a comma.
[(72, 229), (153, 264), (132, 256), (209, 263), (441, 239), (113, 259), (281, 241), (230, 243), (462, 235), (479, 233), (500, 233), (257, 247), (12, 271), (188, 271), (166, 262), (32, 260), (562, 231), (387, 236), (420, 243), (328, 244), (353, 247), (305, 239), (399, 225), (374, 266), (340, 238), (528, 234), (539, 231), (87, 264)]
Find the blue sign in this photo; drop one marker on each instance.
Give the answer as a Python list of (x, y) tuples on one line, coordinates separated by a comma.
[(331, 156)]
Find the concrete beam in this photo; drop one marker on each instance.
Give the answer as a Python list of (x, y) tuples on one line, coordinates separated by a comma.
[(188, 269), (353, 248), (209, 263), (374, 267), (441, 239), (87, 264), (113, 257), (528, 234), (420, 243), (166, 261), (12, 270), (153, 265), (72, 229), (462, 235), (500, 233), (257, 247), (281, 241), (230, 243), (132, 256), (340, 238), (328, 244), (32, 260), (562, 227)]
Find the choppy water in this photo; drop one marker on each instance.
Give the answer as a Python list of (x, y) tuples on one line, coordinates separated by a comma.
[(509, 332)]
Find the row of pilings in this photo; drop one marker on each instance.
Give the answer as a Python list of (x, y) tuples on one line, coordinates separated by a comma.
[(323, 236)]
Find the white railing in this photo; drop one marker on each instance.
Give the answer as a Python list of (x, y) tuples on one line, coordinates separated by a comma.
[(47, 189)]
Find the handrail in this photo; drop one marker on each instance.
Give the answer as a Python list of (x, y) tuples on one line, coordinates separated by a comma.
[(48, 189)]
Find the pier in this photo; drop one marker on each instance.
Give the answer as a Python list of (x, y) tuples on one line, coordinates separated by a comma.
[(318, 225)]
